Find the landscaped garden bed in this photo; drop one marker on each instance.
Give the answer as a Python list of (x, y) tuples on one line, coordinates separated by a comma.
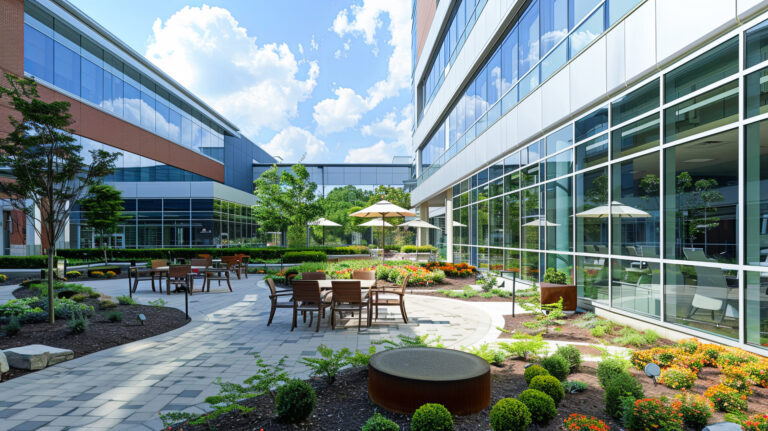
[(86, 322)]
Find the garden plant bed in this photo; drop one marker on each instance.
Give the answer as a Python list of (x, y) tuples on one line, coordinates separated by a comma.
[(476, 298), (345, 405), (101, 333)]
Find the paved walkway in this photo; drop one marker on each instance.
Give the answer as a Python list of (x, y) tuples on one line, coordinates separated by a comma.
[(126, 386)]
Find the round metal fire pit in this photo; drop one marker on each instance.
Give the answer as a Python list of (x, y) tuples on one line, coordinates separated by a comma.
[(402, 380)]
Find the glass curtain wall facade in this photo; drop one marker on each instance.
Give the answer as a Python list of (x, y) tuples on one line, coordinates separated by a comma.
[(655, 203), (542, 38)]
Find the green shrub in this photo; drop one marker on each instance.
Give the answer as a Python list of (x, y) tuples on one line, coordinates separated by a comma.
[(157, 303), (329, 364), (432, 417), (572, 355), (541, 405), (94, 295), (557, 366), (696, 410), (620, 386), (419, 249), (527, 346), (550, 386), (78, 324), (555, 276), (33, 262), (78, 297), (73, 274), (126, 300), (13, 327), (509, 414), (533, 371), (609, 368), (107, 304), (378, 422), (304, 256), (295, 401), (255, 254), (115, 316), (643, 412), (574, 386)]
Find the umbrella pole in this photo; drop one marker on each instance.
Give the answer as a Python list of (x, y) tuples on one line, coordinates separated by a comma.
[(323, 236), (383, 249)]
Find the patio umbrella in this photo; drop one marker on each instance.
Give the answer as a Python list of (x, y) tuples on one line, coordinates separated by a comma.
[(457, 224), (376, 223), (418, 224), (618, 209), (322, 221), (541, 222), (383, 209)]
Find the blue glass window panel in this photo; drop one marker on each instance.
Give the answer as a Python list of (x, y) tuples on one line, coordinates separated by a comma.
[(494, 78), (481, 93), (482, 176), (554, 23), (509, 100), (461, 17), (197, 136), (529, 38), (186, 131), (509, 61), (592, 153), (533, 152), (38, 54), (591, 124), (66, 69), (579, 9), (588, 31), (132, 103), (147, 111), (619, 8), (554, 61), (174, 131), (116, 99), (512, 163), (91, 82), (469, 107), (529, 82), (756, 44), (559, 140), (162, 119)]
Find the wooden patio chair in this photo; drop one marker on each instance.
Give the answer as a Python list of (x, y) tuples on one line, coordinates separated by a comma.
[(232, 263), (392, 297), (347, 295), (181, 277), (200, 273), (243, 263), (308, 298), (275, 296)]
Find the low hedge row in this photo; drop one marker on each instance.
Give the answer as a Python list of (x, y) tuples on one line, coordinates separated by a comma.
[(187, 253), (418, 249), (304, 256), (34, 262)]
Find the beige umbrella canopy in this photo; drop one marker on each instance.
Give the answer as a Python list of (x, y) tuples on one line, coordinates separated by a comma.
[(541, 222), (322, 221), (617, 209), (376, 223), (458, 224), (419, 224), (383, 209)]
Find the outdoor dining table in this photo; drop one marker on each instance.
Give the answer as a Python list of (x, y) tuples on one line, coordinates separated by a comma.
[(161, 271)]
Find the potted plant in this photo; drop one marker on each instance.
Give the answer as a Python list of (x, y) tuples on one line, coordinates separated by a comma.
[(555, 287)]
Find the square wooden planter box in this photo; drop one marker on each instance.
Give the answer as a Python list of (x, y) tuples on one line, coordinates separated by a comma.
[(551, 293)]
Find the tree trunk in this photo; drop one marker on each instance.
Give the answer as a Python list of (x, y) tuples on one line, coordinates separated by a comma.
[(104, 246), (51, 313)]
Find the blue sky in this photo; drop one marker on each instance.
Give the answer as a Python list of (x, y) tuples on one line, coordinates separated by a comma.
[(327, 80)]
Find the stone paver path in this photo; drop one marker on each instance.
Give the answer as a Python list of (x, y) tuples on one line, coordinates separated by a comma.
[(126, 386)]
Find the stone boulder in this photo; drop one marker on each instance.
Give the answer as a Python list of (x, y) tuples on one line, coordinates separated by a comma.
[(36, 356), (3, 363)]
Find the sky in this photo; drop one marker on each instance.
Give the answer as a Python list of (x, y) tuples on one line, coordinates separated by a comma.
[(311, 80)]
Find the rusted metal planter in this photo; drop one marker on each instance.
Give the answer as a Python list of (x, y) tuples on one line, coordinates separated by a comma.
[(402, 380), (551, 293)]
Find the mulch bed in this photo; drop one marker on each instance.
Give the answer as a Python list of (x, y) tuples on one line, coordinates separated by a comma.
[(475, 298), (101, 333), (345, 404)]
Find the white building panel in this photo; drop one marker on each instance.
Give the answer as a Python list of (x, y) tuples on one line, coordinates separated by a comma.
[(529, 115), (682, 23), (555, 97), (588, 76), (640, 41), (615, 71)]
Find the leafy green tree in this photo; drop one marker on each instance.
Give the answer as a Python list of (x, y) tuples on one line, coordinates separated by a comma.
[(103, 207), (286, 201), (337, 206), (46, 161), (401, 198), (697, 198)]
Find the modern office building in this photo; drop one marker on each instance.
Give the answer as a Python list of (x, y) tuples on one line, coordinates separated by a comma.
[(623, 142), (185, 171)]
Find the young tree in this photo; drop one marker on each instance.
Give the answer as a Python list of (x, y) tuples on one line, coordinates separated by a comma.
[(103, 208), (46, 161)]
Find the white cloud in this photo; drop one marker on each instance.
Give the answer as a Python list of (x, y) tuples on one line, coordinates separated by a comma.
[(380, 152), (301, 49), (335, 115), (256, 86), (294, 142), (389, 127), (396, 131), (365, 20), (314, 45), (337, 54)]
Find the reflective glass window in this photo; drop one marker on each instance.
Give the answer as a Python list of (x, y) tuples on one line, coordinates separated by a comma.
[(512, 220), (634, 137), (635, 207), (588, 31), (592, 152), (756, 93), (162, 119), (91, 82), (559, 165), (592, 278), (591, 204), (174, 128), (704, 298), (756, 308), (532, 218), (529, 38), (579, 9), (756, 44), (636, 287), (38, 54), (529, 175), (562, 263), (619, 8), (530, 266), (591, 124), (512, 261), (512, 182), (701, 197), (554, 23), (559, 140), (552, 62), (756, 175), (512, 163), (113, 94), (509, 58), (66, 69), (716, 64), (496, 221), (132, 103), (558, 220), (494, 78), (712, 109), (147, 111), (635, 103)]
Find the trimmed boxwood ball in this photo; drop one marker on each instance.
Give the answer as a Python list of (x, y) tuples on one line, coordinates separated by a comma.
[(557, 366), (621, 385), (295, 401), (510, 414), (541, 405), (550, 386), (378, 422), (533, 371), (572, 355), (609, 368), (432, 417)]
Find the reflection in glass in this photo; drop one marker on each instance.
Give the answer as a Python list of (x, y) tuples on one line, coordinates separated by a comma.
[(756, 308), (636, 286), (592, 152), (701, 196), (563, 263), (704, 112), (559, 140), (509, 61), (703, 298), (756, 44), (592, 278), (482, 223), (635, 206), (512, 261), (579, 9), (718, 63), (529, 38), (532, 218), (756, 196), (559, 165), (591, 193), (38, 54), (558, 215), (66, 69), (554, 23), (591, 124), (756, 93), (496, 259), (588, 31), (636, 103), (512, 220), (530, 266), (496, 221), (634, 137)]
